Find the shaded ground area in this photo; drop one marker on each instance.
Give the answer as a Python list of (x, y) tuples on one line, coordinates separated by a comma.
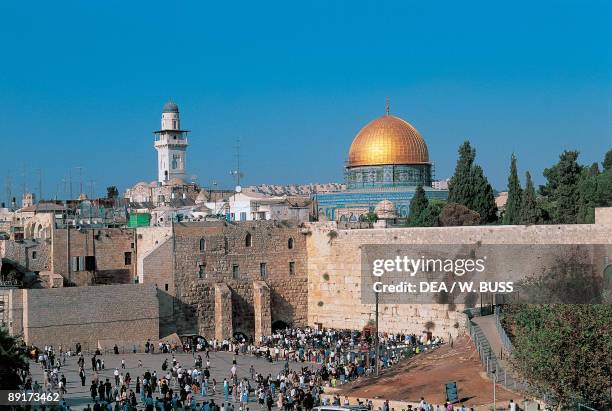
[(426, 374)]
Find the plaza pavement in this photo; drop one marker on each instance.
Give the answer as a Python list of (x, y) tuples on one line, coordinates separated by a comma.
[(78, 397)]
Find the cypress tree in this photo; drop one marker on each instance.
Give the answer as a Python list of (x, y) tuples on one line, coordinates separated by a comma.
[(460, 188), (530, 212), (418, 203), (562, 188), (513, 205), (470, 187), (607, 163), (483, 201)]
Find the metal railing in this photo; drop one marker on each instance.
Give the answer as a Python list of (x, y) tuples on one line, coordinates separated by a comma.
[(502, 333), (490, 362)]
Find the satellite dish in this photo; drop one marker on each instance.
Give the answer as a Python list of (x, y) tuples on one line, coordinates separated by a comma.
[(238, 189)]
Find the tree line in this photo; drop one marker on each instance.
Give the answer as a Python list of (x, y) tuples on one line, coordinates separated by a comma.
[(570, 195)]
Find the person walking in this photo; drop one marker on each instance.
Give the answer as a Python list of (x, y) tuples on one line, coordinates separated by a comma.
[(82, 375)]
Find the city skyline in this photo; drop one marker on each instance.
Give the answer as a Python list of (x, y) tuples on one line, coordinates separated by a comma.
[(535, 85)]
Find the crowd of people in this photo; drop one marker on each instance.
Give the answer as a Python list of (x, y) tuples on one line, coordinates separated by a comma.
[(311, 360)]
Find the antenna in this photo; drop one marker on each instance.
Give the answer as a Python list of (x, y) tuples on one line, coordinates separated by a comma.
[(9, 191), (92, 184), (70, 182), (25, 177), (39, 184), (237, 173), (80, 179)]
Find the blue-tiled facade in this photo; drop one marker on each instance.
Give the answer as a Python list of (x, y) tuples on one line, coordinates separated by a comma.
[(338, 205), (391, 175)]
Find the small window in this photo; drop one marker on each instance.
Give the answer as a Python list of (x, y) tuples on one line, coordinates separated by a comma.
[(248, 240), (292, 268), (166, 287), (202, 245), (202, 270), (127, 256), (34, 255), (290, 243), (263, 270), (78, 263), (235, 271)]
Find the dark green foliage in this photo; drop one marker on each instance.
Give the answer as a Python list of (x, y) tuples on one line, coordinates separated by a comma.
[(429, 216), (594, 190), (607, 163), (561, 189), (513, 205), (470, 187), (530, 212), (418, 203), (369, 217), (112, 192), (13, 361), (564, 351)]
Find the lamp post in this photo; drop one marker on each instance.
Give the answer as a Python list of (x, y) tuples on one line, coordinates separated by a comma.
[(494, 381), (376, 337)]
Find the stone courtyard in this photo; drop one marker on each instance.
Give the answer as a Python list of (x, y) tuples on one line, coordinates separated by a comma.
[(78, 397)]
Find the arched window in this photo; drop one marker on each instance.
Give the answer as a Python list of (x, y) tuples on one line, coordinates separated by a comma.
[(248, 240), (202, 245), (290, 243)]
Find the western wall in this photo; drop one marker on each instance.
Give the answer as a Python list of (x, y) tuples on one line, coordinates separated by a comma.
[(334, 269)]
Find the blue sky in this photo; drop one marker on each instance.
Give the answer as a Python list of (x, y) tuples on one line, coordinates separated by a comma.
[(82, 84)]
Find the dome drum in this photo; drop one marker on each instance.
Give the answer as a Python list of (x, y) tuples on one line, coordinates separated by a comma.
[(403, 175)]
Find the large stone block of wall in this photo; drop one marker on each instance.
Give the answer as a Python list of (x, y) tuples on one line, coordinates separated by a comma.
[(223, 312), (124, 314), (334, 270), (261, 305)]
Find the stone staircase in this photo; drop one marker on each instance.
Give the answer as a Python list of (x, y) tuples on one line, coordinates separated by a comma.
[(494, 356)]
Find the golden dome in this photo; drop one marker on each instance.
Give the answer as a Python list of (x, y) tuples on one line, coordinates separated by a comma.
[(388, 140)]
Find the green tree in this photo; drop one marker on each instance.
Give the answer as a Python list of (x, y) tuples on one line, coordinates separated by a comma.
[(594, 190), (370, 217), (112, 192), (513, 205), (530, 211), (561, 189), (588, 195), (429, 216), (13, 361), (607, 163), (563, 351), (469, 186), (418, 203), (459, 187)]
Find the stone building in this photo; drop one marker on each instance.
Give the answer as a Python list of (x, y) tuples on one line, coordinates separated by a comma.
[(194, 261), (90, 256)]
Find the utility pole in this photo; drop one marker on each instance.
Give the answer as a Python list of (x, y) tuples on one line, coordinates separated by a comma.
[(237, 173), (40, 184), (376, 338), (80, 179), (70, 182), (494, 384)]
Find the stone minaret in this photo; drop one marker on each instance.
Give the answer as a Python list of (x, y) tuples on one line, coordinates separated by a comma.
[(171, 145)]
